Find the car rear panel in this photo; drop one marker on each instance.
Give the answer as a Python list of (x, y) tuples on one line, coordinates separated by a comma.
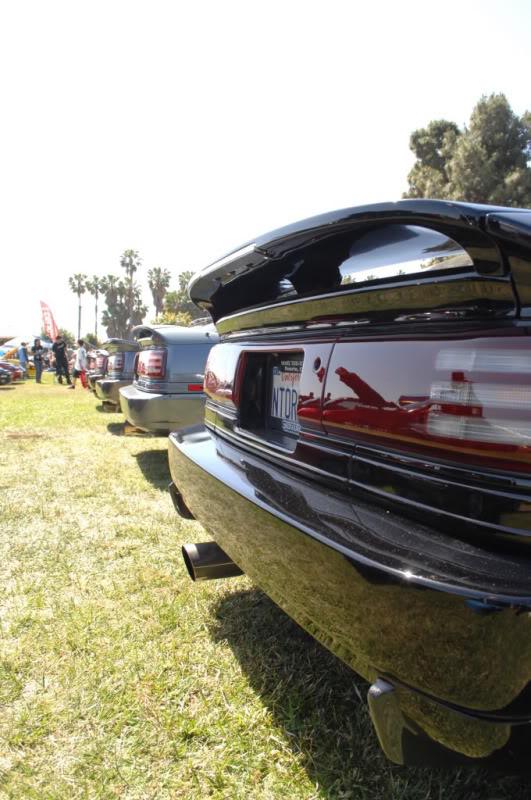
[(160, 413), (338, 567), (167, 389), (120, 369), (367, 457)]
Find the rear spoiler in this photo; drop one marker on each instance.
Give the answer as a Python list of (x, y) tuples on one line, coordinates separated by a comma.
[(163, 335), (120, 345), (290, 265)]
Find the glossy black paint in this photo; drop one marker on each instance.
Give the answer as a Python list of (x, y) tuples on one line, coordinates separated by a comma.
[(309, 254), (363, 584), (394, 524), (513, 230)]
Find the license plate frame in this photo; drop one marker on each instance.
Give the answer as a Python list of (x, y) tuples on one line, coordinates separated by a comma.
[(285, 370)]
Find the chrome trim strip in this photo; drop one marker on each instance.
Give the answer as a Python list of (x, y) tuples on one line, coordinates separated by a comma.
[(255, 447)]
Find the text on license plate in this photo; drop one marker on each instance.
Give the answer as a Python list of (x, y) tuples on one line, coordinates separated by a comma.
[(286, 375)]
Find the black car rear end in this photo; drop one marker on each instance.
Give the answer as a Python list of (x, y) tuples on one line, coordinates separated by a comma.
[(367, 458)]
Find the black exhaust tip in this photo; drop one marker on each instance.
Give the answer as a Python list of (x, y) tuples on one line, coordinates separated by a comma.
[(206, 561)]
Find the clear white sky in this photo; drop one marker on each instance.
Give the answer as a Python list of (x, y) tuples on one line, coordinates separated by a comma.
[(182, 129)]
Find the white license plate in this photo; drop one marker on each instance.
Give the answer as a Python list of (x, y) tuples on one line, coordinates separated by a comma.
[(285, 379)]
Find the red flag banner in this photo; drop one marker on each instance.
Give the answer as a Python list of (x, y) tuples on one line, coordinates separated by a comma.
[(48, 322)]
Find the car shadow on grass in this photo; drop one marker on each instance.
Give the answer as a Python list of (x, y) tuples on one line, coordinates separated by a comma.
[(155, 467), (108, 408), (116, 428), (321, 706)]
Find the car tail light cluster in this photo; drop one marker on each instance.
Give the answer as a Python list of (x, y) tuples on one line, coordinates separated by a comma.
[(116, 362), (151, 363), (461, 401), (486, 403), (100, 361), (221, 374)]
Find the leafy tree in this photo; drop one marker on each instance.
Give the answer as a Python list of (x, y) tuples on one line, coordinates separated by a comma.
[(158, 281), (171, 318), (123, 299), (68, 336), (78, 284), (433, 147), (95, 287), (178, 301), (486, 162), (91, 340)]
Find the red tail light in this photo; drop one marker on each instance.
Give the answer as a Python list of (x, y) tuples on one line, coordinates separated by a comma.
[(195, 387), (152, 363), (220, 374), (463, 400), (116, 362), (486, 403)]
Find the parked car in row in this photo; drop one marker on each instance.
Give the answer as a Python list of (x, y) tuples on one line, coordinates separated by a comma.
[(97, 367), (167, 390), (5, 376), (367, 457), (120, 370), (17, 373)]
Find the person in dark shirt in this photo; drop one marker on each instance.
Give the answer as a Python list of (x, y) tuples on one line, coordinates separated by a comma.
[(38, 359), (61, 359)]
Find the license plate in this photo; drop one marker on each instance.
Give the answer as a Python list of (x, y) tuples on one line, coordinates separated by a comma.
[(285, 379)]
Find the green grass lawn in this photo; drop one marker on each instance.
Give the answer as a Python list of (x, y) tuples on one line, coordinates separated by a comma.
[(120, 678)]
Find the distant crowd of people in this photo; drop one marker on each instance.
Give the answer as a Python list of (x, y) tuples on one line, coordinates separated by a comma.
[(68, 365)]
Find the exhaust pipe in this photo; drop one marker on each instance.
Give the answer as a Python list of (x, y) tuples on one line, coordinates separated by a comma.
[(206, 561)]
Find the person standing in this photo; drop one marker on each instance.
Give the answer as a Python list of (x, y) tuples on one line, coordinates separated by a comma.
[(23, 357), (61, 359), (80, 364), (38, 359)]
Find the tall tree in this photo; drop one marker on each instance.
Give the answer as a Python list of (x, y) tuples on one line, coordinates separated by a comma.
[(78, 284), (178, 301), (433, 147), (68, 336), (486, 162), (130, 261), (123, 299), (158, 281), (95, 287)]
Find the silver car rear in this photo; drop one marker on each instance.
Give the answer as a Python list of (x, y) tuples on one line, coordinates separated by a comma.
[(167, 390)]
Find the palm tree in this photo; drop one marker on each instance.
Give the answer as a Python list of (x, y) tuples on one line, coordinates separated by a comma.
[(95, 286), (130, 261), (78, 284), (158, 281)]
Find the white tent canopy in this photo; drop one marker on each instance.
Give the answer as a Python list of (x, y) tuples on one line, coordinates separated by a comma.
[(16, 341)]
